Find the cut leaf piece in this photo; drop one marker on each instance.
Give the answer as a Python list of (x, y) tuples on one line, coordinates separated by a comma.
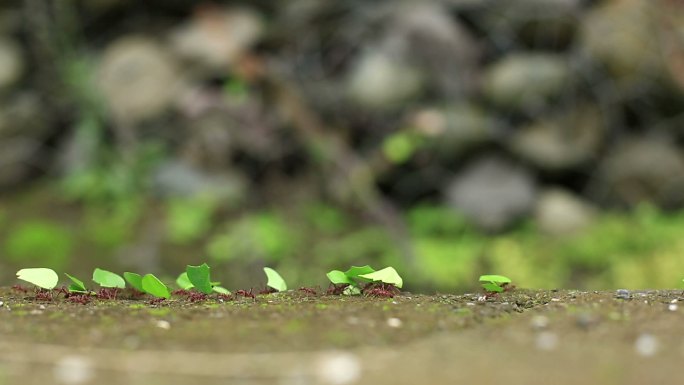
[(338, 277), (352, 290), (358, 271), (77, 286), (275, 280), (494, 278), (220, 290), (183, 282), (135, 280), (386, 275), (106, 278), (492, 287), (41, 277), (199, 277), (153, 286)]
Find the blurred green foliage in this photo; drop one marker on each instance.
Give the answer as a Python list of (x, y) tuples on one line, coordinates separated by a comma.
[(39, 242), (188, 220)]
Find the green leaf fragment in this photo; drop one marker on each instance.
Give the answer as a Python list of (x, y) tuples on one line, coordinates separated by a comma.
[(494, 278), (356, 271), (351, 290), (338, 277), (492, 287), (153, 286), (387, 275), (135, 280), (220, 290), (41, 277), (275, 280), (76, 286), (106, 278), (183, 282), (199, 277)]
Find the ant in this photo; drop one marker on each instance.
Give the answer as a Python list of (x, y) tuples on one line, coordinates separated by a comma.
[(107, 293), (20, 288), (81, 298), (42, 295), (245, 293), (156, 301), (63, 290), (196, 297), (308, 290), (225, 297), (334, 289), (380, 290), (268, 290), (181, 292)]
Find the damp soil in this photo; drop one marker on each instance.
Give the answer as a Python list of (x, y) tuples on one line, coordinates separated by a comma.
[(519, 337)]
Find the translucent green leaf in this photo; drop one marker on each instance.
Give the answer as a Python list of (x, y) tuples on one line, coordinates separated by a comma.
[(338, 277), (494, 278), (41, 277), (220, 290), (183, 282), (153, 286), (106, 278), (134, 280), (77, 286), (199, 277), (275, 280), (386, 275), (492, 287), (356, 272)]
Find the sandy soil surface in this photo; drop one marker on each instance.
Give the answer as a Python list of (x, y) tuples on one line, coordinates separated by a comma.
[(521, 337)]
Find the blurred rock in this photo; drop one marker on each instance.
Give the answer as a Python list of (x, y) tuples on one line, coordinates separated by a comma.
[(559, 212), (526, 81), (217, 37), (456, 128), (531, 23), (138, 79), (179, 179), (23, 129), (563, 142), (620, 34), (439, 44), (383, 79), (641, 169), (493, 193), (11, 63)]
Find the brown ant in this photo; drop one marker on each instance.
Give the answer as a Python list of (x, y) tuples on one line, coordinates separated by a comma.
[(80, 298), (182, 292), (43, 295), (20, 288), (267, 290), (107, 293), (196, 296), (156, 301), (338, 289), (380, 290), (308, 290), (245, 294)]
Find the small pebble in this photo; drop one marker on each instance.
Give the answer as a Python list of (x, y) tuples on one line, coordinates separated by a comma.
[(674, 301), (73, 370), (646, 345), (539, 322), (585, 320), (36, 312), (482, 298), (546, 341), (339, 368), (555, 299), (2, 303), (672, 307), (394, 322), (622, 294), (41, 307), (470, 304), (163, 324)]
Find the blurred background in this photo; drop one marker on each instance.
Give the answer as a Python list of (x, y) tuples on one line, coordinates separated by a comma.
[(540, 139)]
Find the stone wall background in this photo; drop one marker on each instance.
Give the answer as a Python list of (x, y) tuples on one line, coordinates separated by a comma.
[(501, 113)]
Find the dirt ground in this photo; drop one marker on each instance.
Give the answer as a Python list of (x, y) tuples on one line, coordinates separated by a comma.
[(521, 337)]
